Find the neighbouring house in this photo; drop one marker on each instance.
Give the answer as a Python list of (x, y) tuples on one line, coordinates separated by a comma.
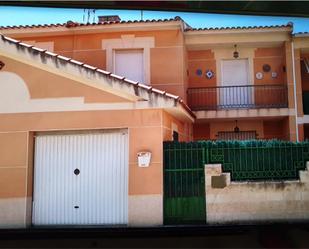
[(85, 108)]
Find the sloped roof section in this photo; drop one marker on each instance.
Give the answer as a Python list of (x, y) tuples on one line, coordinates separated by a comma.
[(288, 25), (72, 24), (301, 34), (140, 90)]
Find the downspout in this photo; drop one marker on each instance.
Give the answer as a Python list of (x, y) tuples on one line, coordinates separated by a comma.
[(294, 83)]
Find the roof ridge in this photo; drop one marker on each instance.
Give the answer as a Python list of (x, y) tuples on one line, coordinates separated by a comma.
[(98, 70), (72, 24), (289, 24)]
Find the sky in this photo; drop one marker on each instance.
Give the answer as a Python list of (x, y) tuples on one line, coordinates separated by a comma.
[(30, 15)]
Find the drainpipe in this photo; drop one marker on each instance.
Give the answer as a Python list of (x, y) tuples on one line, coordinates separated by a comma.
[(295, 100)]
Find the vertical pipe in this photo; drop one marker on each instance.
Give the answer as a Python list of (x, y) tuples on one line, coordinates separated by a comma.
[(294, 83)]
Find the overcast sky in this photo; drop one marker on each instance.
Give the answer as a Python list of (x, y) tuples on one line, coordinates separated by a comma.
[(29, 16)]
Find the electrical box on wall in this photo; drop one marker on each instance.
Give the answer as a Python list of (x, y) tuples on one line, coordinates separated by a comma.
[(143, 158)]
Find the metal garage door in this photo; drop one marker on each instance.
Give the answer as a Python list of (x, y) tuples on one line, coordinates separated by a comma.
[(81, 179)]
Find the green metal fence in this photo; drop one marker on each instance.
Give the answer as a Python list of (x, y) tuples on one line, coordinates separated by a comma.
[(250, 160), (184, 184), (184, 181)]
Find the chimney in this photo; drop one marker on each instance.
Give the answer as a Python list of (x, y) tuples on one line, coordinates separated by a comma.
[(109, 19)]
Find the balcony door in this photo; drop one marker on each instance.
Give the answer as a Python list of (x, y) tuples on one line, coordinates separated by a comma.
[(235, 77), (130, 64)]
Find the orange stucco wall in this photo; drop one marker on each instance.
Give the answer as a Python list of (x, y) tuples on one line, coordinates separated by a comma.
[(275, 129), (244, 125), (202, 60), (201, 131), (265, 129), (170, 123), (205, 60), (145, 133), (273, 57), (43, 84), (167, 64)]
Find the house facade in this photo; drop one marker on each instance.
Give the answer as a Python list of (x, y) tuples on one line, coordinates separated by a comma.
[(76, 96)]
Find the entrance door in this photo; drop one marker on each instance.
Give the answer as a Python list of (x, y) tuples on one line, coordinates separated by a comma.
[(234, 92), (81, 179), (129, 63)]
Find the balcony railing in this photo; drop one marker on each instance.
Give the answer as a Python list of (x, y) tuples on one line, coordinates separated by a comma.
[(237, 97)]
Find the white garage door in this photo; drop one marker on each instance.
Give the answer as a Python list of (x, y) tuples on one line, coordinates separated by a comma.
[(81, 179)]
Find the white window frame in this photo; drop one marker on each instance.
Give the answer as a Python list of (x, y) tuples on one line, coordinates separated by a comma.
[(114, 60), (127, 42)]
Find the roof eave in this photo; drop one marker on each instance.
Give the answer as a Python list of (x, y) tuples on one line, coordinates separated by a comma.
[(88, 29), (237, 31)]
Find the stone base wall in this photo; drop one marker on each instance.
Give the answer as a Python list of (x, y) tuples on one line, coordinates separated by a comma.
[(145, 210), (252, 202)]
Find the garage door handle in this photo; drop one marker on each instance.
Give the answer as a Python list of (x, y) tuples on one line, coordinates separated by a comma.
[(76, 207), (76, 171)]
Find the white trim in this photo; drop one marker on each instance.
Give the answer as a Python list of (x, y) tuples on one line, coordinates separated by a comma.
[(15, 98), (245, 113), (129, 42), (294, 84), (303, 120)]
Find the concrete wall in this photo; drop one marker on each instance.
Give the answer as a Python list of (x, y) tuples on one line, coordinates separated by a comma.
[(245, 202)]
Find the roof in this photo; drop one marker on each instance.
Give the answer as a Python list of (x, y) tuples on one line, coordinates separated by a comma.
[(72, 24), (301, 34), (122, 80), (288, 25), (187, 27)]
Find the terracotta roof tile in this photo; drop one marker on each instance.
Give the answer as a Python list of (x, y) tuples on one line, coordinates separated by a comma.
[(72, 24), (301, 34), (290, 24)]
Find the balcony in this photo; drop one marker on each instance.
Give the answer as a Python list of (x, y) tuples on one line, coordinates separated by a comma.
[(238, 97)]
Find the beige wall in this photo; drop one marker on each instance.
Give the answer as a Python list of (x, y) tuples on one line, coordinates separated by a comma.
[(251, 202)]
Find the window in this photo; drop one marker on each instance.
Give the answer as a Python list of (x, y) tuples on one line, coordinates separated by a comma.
[(119, 50), (129, 63)]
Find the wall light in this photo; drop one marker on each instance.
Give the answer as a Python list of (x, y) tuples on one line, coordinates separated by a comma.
[(236, 128), (235, 54)]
